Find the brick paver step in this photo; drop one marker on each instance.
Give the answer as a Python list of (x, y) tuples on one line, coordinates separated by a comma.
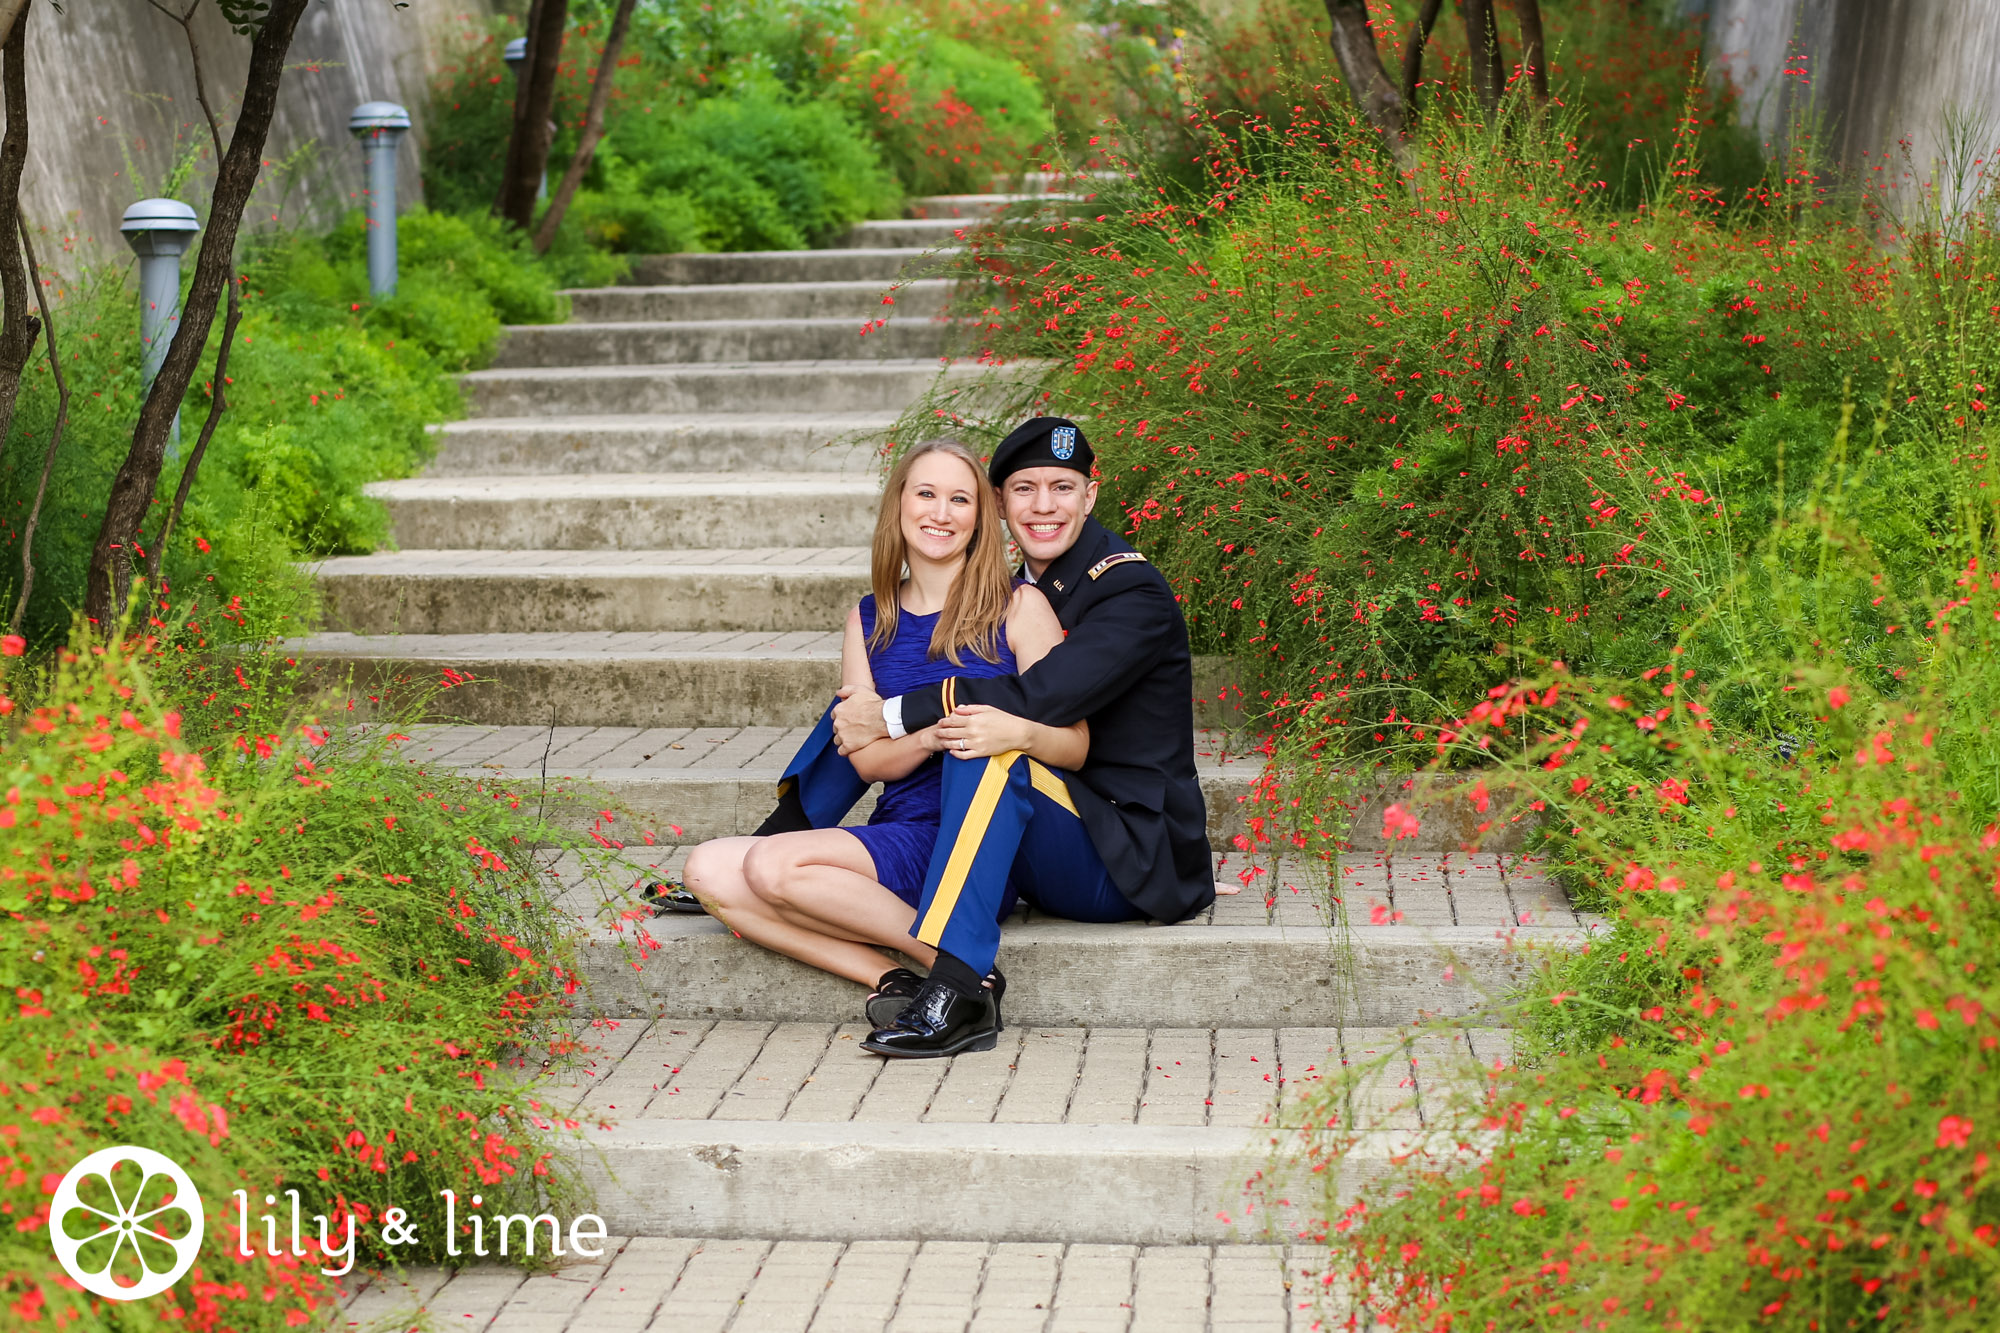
[(864, 299), (626, 678), (656, 342), (662, 1284), (493, 592), (748, 386), (815, 1072), (853, 264), (821, 442), (706, 782), (630, 511)]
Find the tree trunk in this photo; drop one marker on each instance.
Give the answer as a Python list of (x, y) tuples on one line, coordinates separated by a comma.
[(18, 328), (1534, 48), (1413, 55), (235, 176), (593, 129), (1368, 83), (534, 100), (10, 14), (1482, 42), (55, 440)]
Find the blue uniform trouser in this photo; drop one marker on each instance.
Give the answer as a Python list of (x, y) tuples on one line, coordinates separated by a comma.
[(1009, 815), (827, 784)]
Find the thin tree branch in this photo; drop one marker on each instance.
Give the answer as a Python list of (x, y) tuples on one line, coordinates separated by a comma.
[(18, 328), (593, 129), (217, 403), (55, 436), (1413, 53)]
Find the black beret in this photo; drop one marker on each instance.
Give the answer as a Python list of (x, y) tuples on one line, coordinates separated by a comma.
[(1042, 442)]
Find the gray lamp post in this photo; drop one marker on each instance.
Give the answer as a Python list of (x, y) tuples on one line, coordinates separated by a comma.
[(159, 232), (380, 126), (516, 56)]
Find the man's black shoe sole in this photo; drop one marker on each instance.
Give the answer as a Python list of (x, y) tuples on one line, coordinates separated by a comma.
[(978, 1041)]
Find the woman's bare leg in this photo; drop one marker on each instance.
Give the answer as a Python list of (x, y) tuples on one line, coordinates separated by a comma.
[(824, 881), (720, 873)]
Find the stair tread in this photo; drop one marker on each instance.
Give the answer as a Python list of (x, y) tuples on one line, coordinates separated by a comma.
[(578, 645), (622, 485), (880, 366), (758, 288), (667, 751), (687, 1282), (692, 1069), (834, 422), (484, 562)]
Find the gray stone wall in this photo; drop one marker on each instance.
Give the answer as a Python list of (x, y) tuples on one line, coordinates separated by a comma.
[(111, 106), (1881, 71)]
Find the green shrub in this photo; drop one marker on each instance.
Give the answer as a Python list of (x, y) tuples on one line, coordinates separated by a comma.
[(949, 117), (758, 168)]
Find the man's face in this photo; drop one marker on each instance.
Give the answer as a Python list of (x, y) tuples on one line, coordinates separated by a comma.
[(1045, 508)]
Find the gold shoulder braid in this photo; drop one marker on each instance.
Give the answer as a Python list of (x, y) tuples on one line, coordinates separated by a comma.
[(1115, 558)]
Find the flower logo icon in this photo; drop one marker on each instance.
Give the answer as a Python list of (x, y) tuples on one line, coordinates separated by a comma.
[(126, 1223)]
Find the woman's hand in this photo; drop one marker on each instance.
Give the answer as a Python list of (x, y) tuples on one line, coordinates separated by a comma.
[(980, 731)]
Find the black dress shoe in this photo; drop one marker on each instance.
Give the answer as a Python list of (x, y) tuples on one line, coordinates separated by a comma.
[(939, 1021), (896, 989), (665, 896)]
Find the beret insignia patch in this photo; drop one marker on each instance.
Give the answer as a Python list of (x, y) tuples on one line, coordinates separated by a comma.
[(1115, 558), (1062, 442)]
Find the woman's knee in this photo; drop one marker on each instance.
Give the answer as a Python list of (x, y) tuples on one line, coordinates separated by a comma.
[(714, 872), (772, 867)]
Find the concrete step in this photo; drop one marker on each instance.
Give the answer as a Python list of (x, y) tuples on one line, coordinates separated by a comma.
[(687, 785), (681, 1284), (1052, 182), (911, 233), (637, 512), (980, 205), (657, 342), (1060, 973), (857, 264), (865, 299), (497, 592), (759, 387), (622, 679), (1085, 1135), (756, 442)]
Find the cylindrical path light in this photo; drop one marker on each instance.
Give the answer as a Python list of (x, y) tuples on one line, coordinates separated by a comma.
[(159, 232), (380, 126), (516, 56)]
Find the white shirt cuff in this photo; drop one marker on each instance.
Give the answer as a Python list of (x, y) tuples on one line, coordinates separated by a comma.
[(892, 717)]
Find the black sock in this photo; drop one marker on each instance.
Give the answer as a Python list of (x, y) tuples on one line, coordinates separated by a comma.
[(958, 976), (789, 817)]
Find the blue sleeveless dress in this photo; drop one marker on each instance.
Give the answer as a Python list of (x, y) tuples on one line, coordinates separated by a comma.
[(902, 832)]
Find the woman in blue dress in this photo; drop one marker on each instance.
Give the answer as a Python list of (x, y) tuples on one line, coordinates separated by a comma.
[(942, 605)]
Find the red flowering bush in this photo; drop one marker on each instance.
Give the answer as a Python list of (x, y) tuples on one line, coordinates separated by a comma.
[(1768, 1097), (286, 960)]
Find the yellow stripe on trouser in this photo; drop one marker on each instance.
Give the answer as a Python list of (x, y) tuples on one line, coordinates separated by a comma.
[(1051, 786), (971, 833)]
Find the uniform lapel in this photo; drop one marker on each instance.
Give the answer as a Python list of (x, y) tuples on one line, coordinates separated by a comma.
[(1059, 581)]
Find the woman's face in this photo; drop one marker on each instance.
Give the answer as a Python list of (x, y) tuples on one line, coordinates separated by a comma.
[(940, 507)]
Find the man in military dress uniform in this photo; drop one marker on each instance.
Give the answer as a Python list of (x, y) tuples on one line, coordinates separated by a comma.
[(1124, 838)]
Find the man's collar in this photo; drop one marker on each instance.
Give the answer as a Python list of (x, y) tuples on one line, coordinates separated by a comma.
[(1064, 572)]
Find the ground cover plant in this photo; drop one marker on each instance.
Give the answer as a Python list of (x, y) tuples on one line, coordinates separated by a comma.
[(267, 945)]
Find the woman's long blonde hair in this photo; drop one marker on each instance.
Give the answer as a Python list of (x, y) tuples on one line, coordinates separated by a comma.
[(980, 592)]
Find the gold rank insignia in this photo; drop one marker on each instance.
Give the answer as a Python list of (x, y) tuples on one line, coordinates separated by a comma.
[(1115, 558)]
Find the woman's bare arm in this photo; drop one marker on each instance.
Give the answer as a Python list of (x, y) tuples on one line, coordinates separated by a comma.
[(884, 760), (1032, 630)]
